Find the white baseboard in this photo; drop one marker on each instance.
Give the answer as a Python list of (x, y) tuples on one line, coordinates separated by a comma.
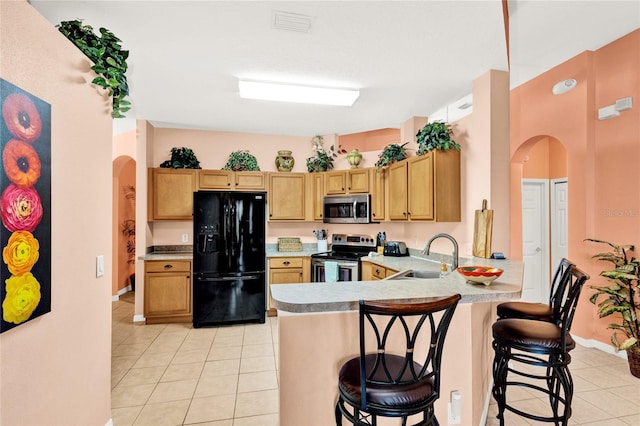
[(591, 343), (122, 291), (139, 318), (109, 423)]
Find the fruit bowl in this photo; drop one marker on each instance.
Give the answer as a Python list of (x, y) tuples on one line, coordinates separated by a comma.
[(480, 274)]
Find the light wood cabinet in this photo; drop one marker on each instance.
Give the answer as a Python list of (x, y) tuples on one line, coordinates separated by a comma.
[(372, 272), (378, 182), (316, 195), (287, 270), (286, 197), (426, 187), (397, 200), (167, 291), (352, 181), (170, 194), (231, 181)]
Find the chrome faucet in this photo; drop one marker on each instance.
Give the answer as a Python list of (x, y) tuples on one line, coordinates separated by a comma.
[(454, 262)]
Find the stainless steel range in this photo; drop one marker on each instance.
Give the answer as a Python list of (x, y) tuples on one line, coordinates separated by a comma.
[(344, 258)]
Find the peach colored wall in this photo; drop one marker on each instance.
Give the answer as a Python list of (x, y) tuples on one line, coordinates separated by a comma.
[(374, 140), (604, 193), (557, 159), (547, 159), (56, 369)]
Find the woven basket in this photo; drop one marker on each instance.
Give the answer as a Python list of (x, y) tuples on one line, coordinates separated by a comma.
[(633, 356), (289, 244)]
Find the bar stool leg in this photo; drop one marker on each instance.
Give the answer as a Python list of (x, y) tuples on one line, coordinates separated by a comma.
[(500, 370)]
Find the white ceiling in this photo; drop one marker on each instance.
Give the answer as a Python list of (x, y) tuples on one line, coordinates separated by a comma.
[(407, 58)]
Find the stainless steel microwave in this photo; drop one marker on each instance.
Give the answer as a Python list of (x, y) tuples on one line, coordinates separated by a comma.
[(347, 208)]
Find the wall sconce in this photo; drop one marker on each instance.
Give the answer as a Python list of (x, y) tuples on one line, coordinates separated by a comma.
[(564, 86)]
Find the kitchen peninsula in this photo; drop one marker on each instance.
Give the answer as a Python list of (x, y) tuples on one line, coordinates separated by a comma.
[(318, 332)]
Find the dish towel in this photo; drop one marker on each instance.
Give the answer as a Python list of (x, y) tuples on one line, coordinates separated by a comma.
[(330, 271)]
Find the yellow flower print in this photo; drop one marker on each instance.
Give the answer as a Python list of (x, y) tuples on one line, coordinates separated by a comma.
[(23, 296), (21, 252)]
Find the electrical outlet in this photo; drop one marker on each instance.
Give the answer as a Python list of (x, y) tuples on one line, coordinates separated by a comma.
[(185, 238), (454, 408), (99, 265)]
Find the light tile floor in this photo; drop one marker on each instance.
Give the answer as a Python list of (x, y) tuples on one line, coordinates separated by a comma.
[(227, 376)]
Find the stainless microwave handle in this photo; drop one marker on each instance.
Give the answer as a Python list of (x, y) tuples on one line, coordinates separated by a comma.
[(355, 214)]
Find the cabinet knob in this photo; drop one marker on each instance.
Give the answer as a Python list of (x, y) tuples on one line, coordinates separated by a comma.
[(228, 183), (409, 213), (377, 271), (236, 183), (404, 213), (286, 262), (168, 266)]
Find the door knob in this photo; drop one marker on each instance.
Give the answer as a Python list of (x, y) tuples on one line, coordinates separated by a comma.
[(538, 249)]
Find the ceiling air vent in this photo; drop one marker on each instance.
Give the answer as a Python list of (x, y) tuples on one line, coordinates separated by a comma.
[(288, 21)]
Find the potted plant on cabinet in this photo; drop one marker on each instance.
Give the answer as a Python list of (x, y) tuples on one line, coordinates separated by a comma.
[(242, 161), (182, 158), (435, 135), (323, 159), (390, 154), (620, 298)]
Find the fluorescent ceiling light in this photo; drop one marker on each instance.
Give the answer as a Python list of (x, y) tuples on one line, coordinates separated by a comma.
[(301, 94)]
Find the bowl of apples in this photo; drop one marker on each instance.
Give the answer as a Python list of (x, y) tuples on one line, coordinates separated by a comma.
[(480, 274)]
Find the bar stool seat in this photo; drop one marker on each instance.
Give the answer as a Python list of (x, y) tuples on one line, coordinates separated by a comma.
[(533, 336), (400, 396), (540, 311)]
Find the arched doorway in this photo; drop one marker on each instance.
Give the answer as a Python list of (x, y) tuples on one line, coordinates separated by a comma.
[(124, 215), (540, 208)]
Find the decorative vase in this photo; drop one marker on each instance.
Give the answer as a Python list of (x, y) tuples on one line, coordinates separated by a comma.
[(285, 161), (633, 357), (354, 158)]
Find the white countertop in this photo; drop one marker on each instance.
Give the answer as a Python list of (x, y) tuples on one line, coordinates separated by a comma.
[(344, 296)]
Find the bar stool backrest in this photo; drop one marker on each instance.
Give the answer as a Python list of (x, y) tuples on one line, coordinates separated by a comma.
[(573, 280), (558, 291), (387, 319)]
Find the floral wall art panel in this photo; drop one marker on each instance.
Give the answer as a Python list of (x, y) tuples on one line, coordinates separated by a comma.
[(25, 206)]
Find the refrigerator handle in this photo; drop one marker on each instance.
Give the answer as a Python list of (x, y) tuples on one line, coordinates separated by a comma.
[(234, 224), (226, 222)]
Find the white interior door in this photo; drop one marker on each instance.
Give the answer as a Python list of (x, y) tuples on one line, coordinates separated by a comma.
[(559, 221), (535, 239)]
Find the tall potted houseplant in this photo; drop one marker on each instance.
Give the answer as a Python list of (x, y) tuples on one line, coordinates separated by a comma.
[(620, 300)]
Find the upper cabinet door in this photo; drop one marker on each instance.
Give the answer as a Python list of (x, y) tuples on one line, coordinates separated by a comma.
[(216, 179), (250, 180), (170, 194), (397, 191), (286, 197), (358, 181), (420, 179), (335, 182)]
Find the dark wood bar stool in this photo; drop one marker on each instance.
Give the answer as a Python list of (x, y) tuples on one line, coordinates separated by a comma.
[(540, 311), (391, 384), (523, 346)]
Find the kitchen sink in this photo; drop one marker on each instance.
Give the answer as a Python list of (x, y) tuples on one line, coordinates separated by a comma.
[(412, 274)]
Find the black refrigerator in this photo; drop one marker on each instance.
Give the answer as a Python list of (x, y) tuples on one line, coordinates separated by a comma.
[(229, 280)]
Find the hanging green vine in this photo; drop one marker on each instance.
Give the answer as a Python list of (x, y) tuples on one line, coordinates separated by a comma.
[(109, 59)]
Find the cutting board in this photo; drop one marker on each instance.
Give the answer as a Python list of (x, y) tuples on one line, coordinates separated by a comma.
[(482, 230)]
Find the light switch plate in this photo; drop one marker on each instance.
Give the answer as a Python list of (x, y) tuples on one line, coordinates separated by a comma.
[(99, 265), (185, 238)]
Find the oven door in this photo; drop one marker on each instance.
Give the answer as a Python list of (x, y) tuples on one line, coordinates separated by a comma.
[(347, 209), (347, 270)]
